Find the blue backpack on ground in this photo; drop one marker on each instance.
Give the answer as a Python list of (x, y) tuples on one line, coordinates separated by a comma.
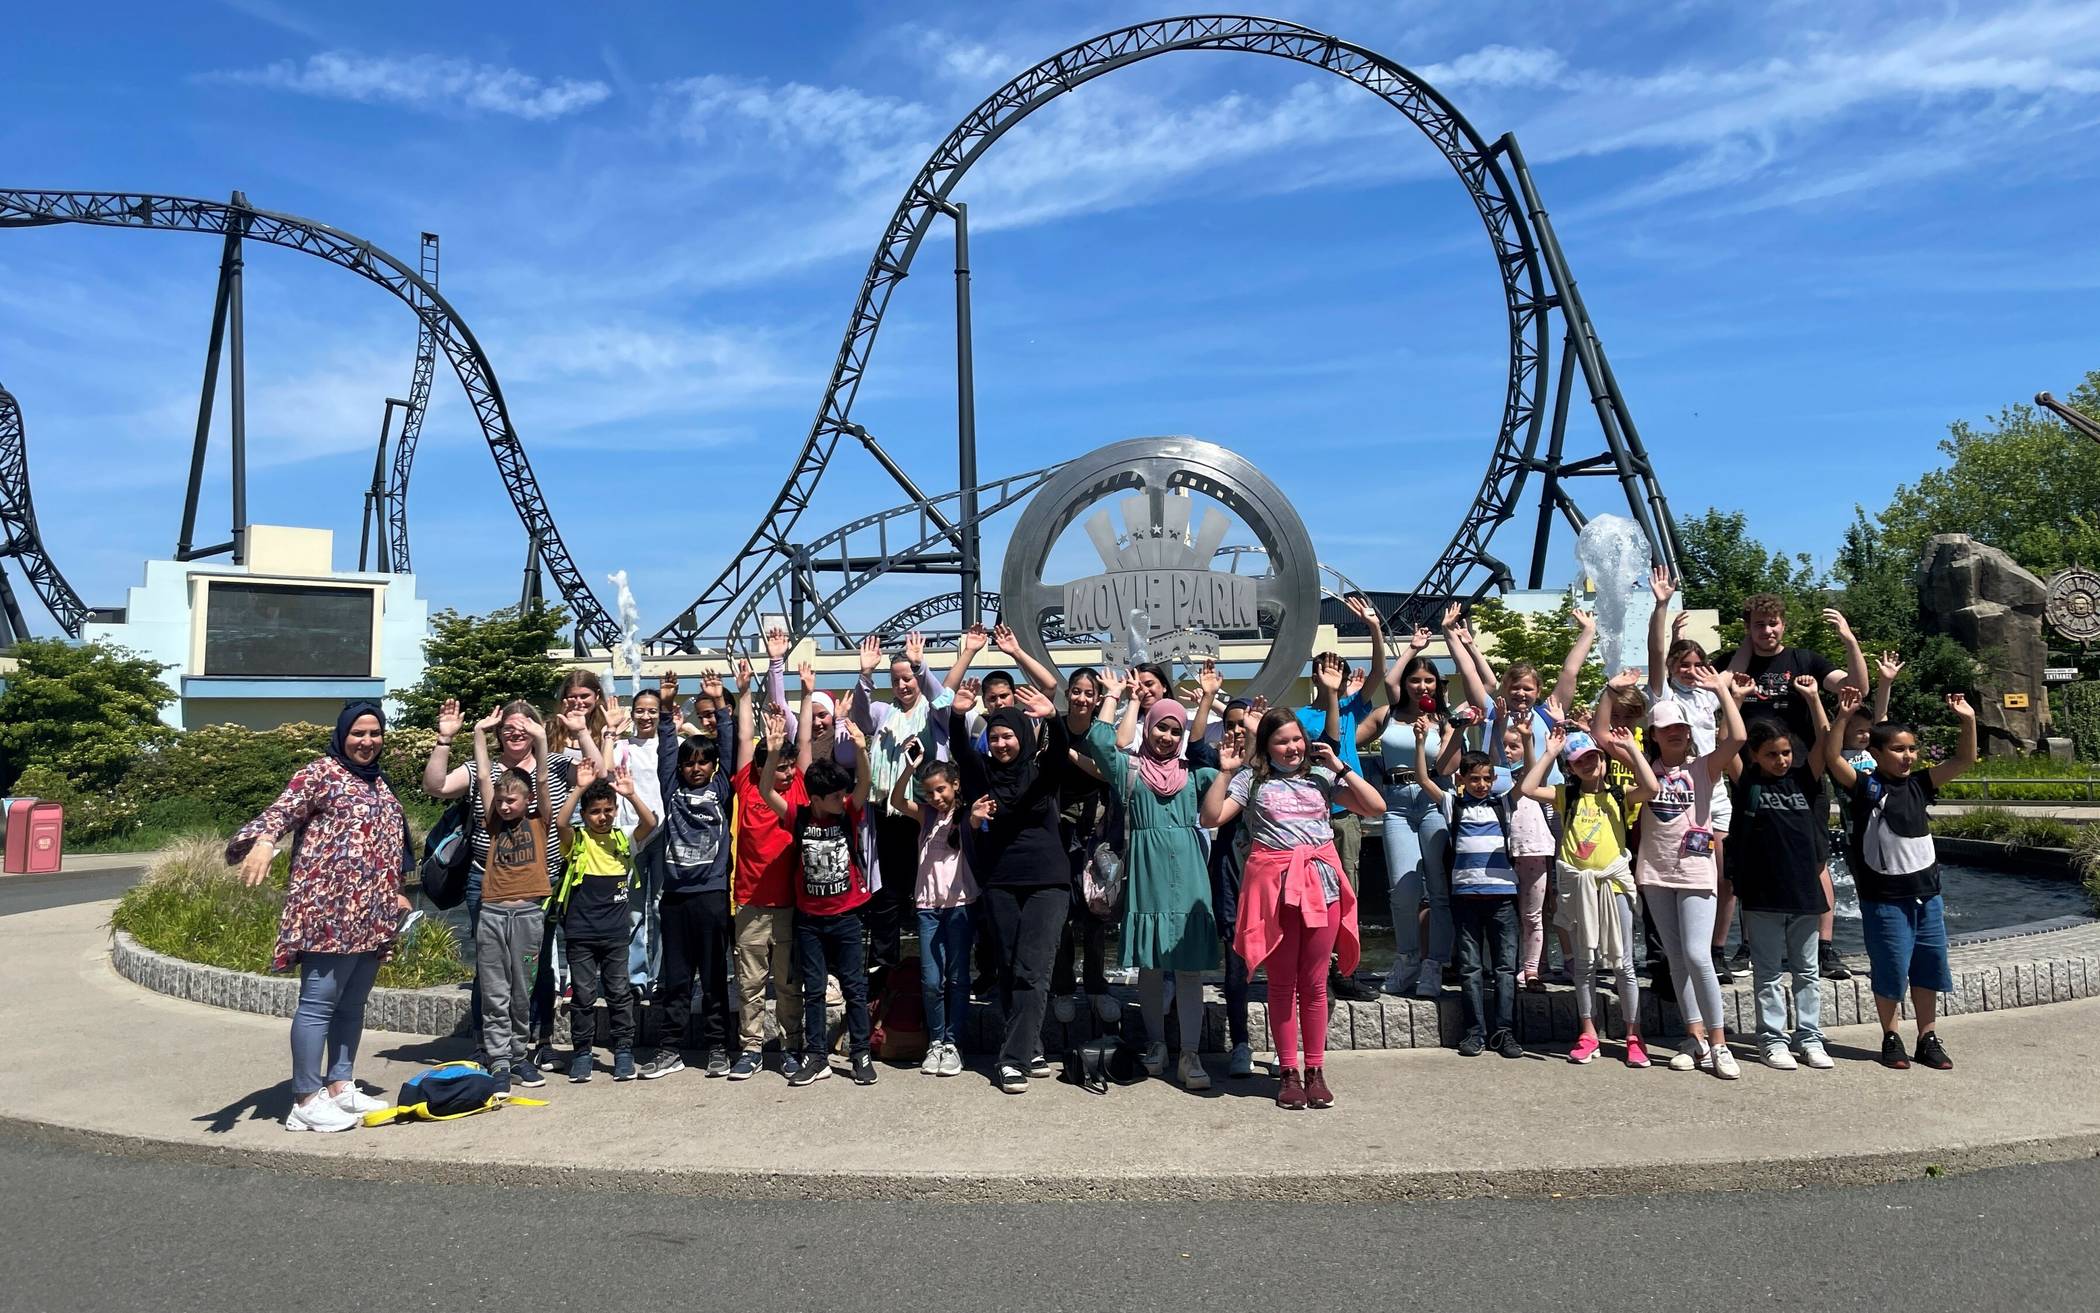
[(447, 1092)]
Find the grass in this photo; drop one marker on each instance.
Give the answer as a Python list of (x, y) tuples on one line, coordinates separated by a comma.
[(2034, 775), (193, 906), (2011, 828)]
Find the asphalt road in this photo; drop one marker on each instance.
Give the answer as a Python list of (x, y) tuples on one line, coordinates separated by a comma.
[(34, 893), (88, 1231)]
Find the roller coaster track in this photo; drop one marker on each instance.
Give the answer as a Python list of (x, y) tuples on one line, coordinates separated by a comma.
[(411, 422), (1480, 167), (22, 540), (29, 209)]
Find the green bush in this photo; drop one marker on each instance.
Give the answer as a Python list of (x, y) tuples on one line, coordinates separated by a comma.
[(2041, 770), (2085, 859), (193, 906), (2075, 711), (2013, 829)]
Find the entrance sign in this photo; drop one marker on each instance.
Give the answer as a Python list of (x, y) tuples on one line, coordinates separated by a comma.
[(1156, 597)]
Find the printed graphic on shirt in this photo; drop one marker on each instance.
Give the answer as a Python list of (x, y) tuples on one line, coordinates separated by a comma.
[(694, 845), (827, 862), (1896, 842), (512, 845)]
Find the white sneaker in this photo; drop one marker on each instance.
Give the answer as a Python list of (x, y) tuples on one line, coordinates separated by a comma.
[(1241, 1063), (1724, 1063), (1108, 1009), (1689, 1058), (1429, 983), (932, 1065), (1064, 1007), (318, 1113), (1192, 1075), (1815, 1055), (951, 1060), (356, 1102), (1778, 1058), (1156, 1058)]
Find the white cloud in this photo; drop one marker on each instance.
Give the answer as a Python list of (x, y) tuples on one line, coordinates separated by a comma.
[(1497, 66), (426, 82)]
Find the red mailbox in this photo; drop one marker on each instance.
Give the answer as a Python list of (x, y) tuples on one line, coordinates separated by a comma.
[(35, 836)]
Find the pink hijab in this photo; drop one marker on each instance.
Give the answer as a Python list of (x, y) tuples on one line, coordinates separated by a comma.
[(1164, 776)]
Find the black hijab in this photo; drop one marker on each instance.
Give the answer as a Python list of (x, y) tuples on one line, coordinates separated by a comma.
[(338, 746), (1008, 781)]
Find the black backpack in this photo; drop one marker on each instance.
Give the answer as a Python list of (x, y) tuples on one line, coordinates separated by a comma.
[(448, 855)]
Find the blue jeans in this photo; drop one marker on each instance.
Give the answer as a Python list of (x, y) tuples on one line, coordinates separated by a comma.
[(827, 946), (945, 935), (1785, 941), (1415, 838), (330, 1017), (1907, 944)]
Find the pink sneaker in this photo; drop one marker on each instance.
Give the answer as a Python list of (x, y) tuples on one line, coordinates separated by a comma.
[(1585, 1049), (1636, 1052)]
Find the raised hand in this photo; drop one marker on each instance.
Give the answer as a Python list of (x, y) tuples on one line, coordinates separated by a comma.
[(1662, 585), (1328, 672), (667, 688), (615, 715), (1585, 622), (1258, 708), (1679, 623), (973, 640), (744, 675), (449, 719), (1008, 641), (1321, 753), (1958, 704), (1114, 682), (1630, 677), (1208, 679), (622, 782), (914, 752), (870, 654), (1807, 685), (1356, 682), (982, 811), (1419, 640), (1556, 741), (490, 721), (855, 735), (776, 644), (1890, 665), (807, 673), (1360, 607), (1740, 685), (1849, 699), (574, 721), (1836, 620), (711, 684), (776, 729), (915, 648), (842, 708), (1033, 703), (1232, 750), (586, 774), (1453, 614), (965, 697)]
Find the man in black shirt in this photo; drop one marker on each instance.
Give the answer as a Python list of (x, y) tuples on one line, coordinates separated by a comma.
[(1772, 667)]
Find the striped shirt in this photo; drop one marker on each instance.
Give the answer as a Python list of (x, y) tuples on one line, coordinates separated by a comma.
[(1480, 863)]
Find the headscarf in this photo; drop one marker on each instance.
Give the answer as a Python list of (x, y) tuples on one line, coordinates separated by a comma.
[(338, 746), (1008, 781), (1165, 776), (819, 698)]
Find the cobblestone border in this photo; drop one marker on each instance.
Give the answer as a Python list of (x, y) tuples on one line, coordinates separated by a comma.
[(2005, 969)]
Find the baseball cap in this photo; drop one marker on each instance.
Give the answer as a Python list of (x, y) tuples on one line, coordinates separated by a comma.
[(1579, 745), (1666, 713)]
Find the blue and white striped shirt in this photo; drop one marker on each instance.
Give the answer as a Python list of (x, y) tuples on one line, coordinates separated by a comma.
[(1480, 863)]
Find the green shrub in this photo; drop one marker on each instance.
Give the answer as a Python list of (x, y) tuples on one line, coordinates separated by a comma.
[(2075, 711), (2035, 776), (2013, 829), (2085, 859)]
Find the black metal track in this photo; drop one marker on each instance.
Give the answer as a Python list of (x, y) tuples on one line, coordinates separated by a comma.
[(411, 423), (26, 209), (22, 540), (1476, 164)]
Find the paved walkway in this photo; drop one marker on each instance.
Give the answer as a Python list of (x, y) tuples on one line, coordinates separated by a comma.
[(114, 1065)]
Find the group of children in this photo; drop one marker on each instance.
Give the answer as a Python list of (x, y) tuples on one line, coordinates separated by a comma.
[(769, 847)]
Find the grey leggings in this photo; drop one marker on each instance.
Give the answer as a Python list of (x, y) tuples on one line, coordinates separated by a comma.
[(1684, 918), (1588, 967), (1188, 1006)]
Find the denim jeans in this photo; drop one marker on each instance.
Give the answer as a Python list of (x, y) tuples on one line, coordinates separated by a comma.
[(1785, 941), (330, 1018), (945, 935), (1486, 932), (1415, 838), (827, 946)]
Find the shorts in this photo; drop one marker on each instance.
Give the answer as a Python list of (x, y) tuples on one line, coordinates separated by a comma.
[(1907, 945), (1723, 810)]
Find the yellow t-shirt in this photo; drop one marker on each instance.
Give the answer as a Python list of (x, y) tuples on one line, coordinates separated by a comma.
[(596, 856), (1592, 831)]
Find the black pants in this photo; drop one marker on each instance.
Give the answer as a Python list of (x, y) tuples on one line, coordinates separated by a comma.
[(1084, 934), (830, 946), (1030, 918), (1225, 901), (1485, 927), (696, 939), (593, 966), (890, 911)]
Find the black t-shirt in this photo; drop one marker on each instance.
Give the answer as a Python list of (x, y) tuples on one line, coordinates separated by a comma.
[(1775, 696), (1892, 850), (597, 912), (1775, 855)]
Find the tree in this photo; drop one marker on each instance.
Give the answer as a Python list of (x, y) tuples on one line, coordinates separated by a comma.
[(2024, 482), (1723, 566), (86, 711), (484, 661), (1543, 639)]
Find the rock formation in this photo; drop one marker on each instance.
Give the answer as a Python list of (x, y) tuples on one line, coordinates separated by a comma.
[(1982, 599)]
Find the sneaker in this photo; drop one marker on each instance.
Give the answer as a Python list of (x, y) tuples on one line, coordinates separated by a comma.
[(1107, 1009), (1778, 1058), (863, 1069), (1636, 1052), (717, 1062), (747, 1065), (1013, 1080), (1722, 971), (1931, 1053), (663, 1063), (1349, 989), (356, 1102), (1429, 981), (319, 1113), (1472, 1046), (1834, 967), (1241, 1064), (527, 1074), (500, 1071), (932, 1065), (579, 1069), (808, 1071), (1893, 1054), (789, 1064), (1317, 1095), (984, 987), (1039, 1068), (1584, 1050), (1065, 1007), (1156, 1058), (951, 1060), (1534, 984), (1505, 1043), (1291, 1096), (1689, 1058), (1192, 1074), (545, 1056), (1814, 1055), (1724, 1063), (1400, 981), (1741, 960), (623, 1065)]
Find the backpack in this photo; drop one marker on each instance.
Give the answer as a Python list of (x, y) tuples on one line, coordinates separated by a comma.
[(1499, 801), (1096, 1064), (447, 1092), (448, 855), (899, 1017)]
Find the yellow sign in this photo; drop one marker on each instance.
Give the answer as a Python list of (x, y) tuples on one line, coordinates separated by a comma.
[(2015, 702)]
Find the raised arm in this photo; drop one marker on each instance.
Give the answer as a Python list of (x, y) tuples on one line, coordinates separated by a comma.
[(1855, 671), (1209, 684), (776, 743), (863, 768), (1663, 587), (1473, 669), (439, 779), (1364, 611), (963, 749), (777, 646), (1889, 667), (483, 785), (1563, 694), (805, 727), (1729, 732), (1534, 786), (1810, 690), (746, 727), (1964, 752), (1328, 673), (904, 794), (1833, 759), (966, 649), (564, 819), (1219, 806), (1645, 785)]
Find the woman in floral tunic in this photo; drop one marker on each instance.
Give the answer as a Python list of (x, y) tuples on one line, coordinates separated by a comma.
[(349, 848)]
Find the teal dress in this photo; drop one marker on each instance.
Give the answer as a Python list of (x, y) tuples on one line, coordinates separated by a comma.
[(1167, 920)]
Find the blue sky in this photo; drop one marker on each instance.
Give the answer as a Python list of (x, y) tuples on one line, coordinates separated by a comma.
[(1810, 235)]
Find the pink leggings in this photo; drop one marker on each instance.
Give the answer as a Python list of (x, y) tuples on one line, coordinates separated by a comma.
[(1533, 874), (1298, 986)]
